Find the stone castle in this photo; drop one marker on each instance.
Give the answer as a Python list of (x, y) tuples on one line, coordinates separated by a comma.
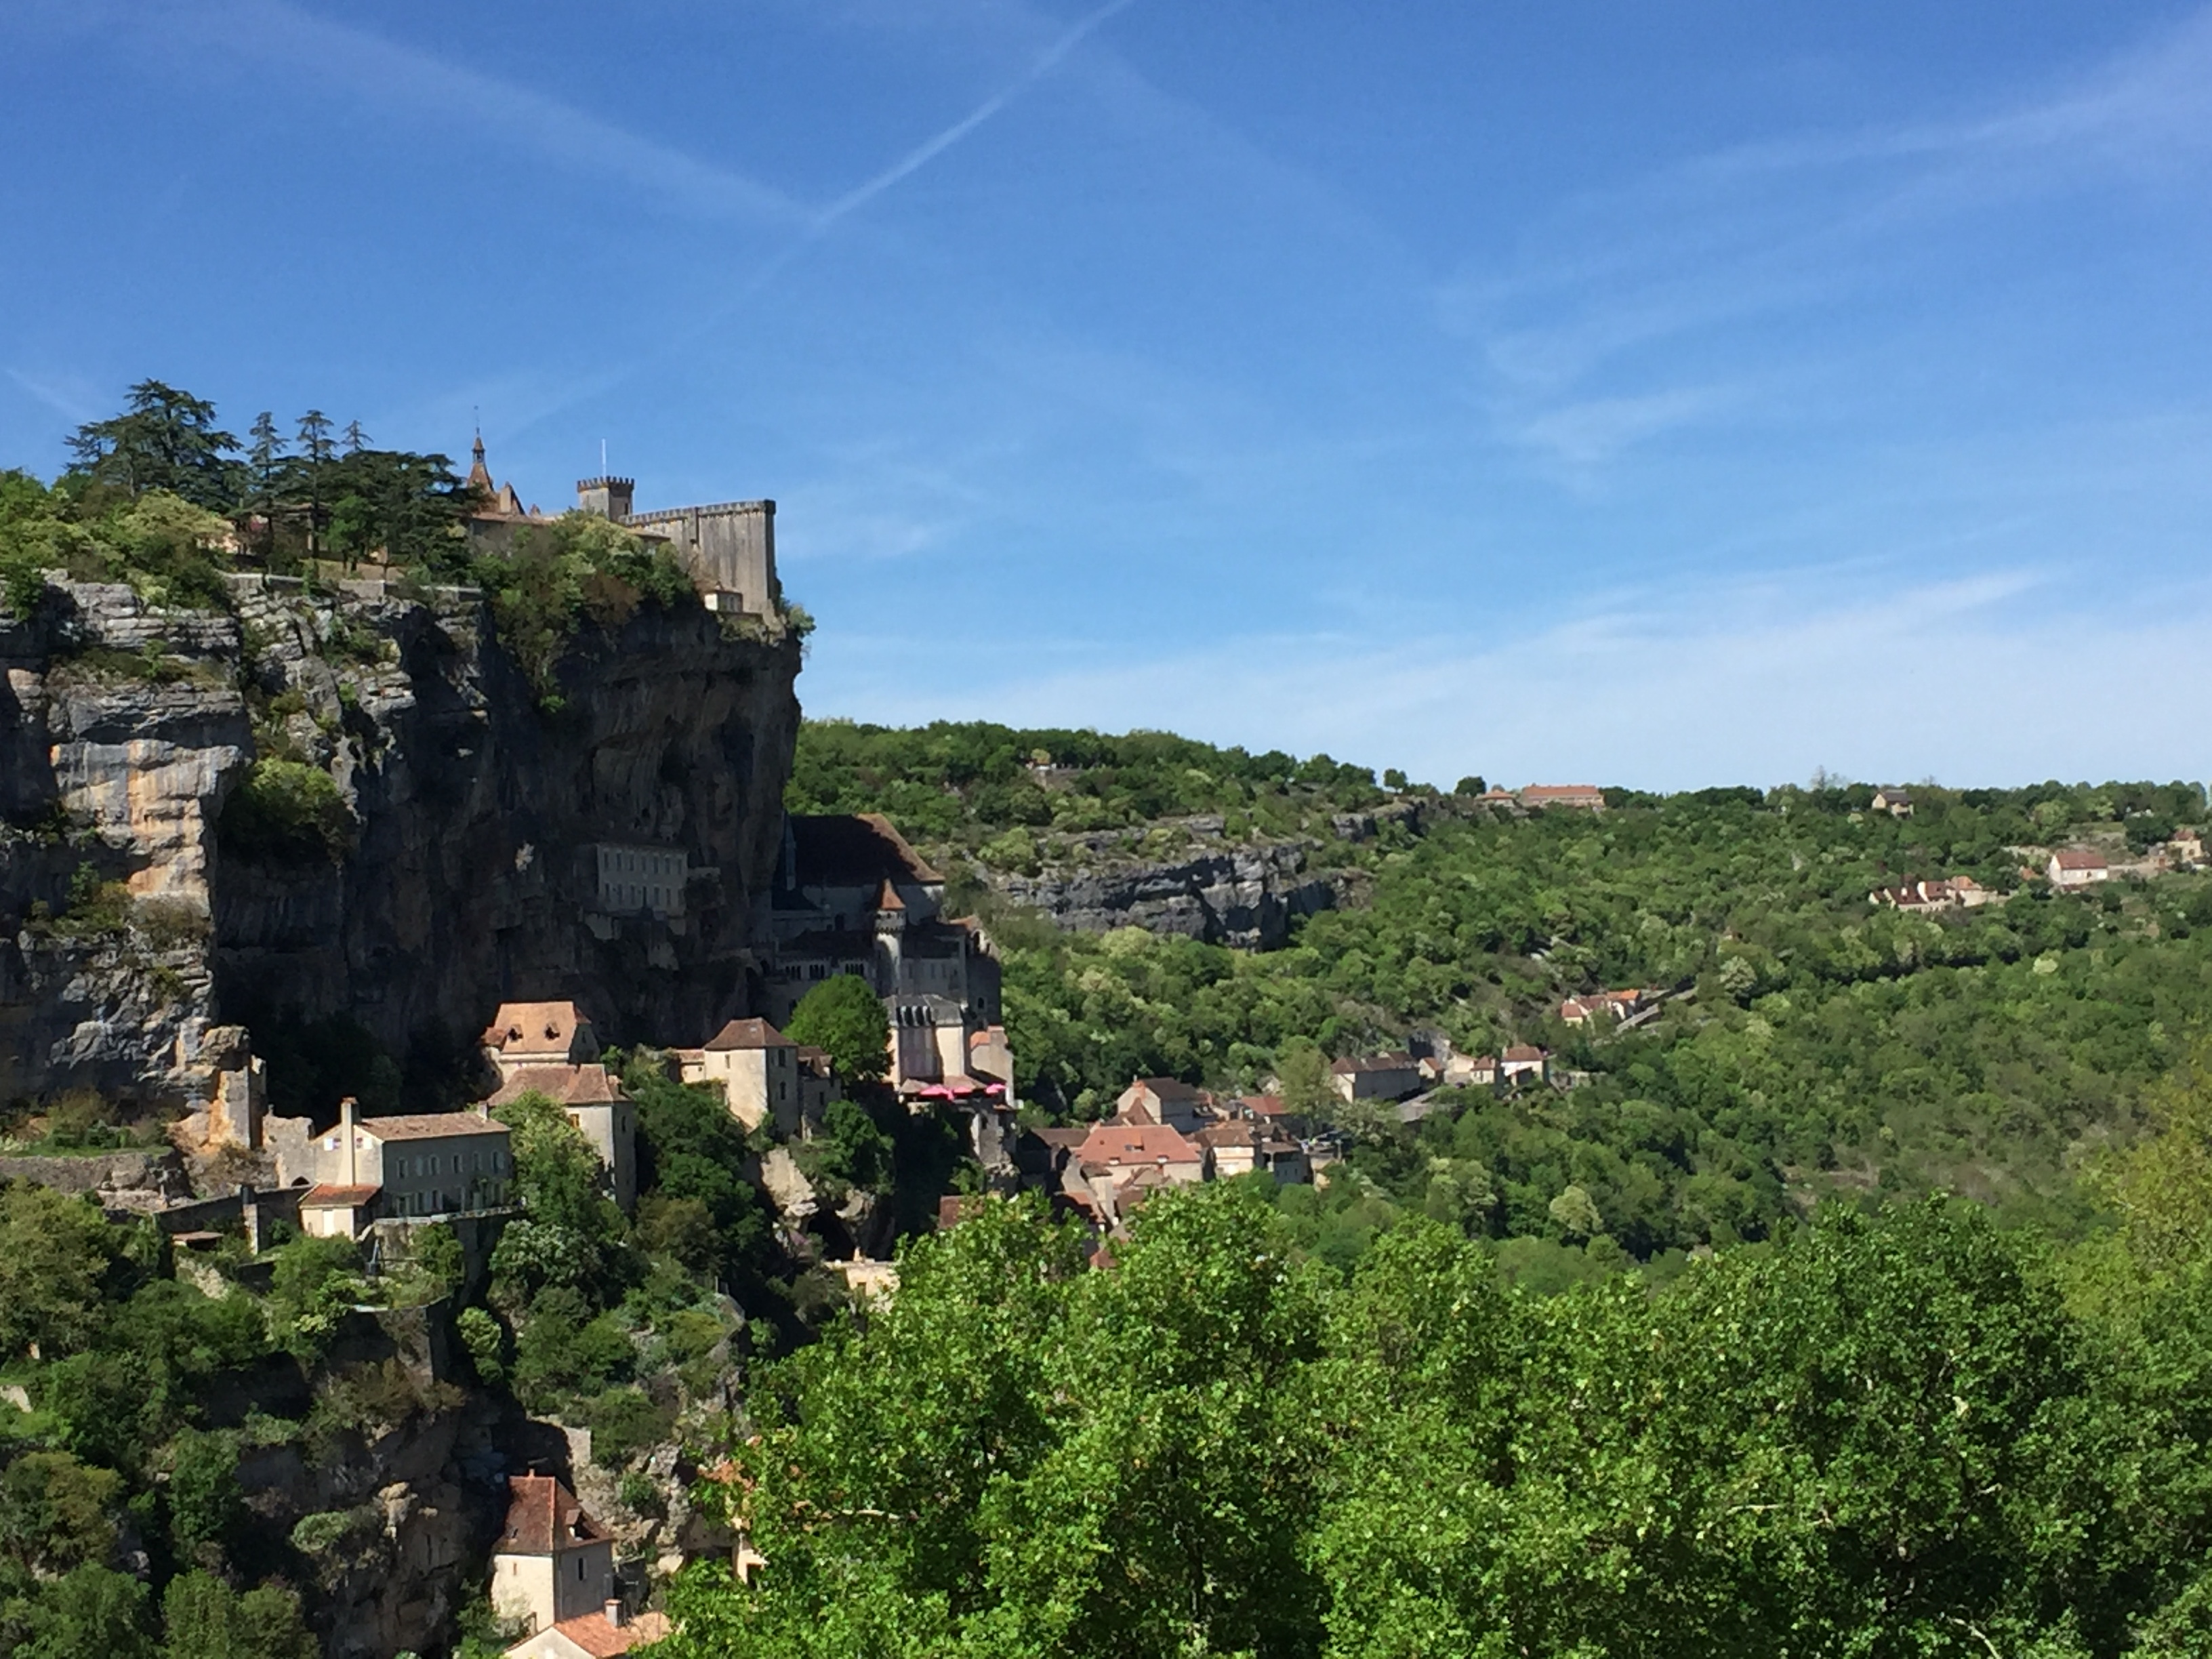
[(729, 549)]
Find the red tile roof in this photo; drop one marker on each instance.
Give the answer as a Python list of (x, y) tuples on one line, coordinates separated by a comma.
[(2079, 858), (1522, 1051), (748, 1034), (1120, 1146), (591, 1632), (543, 1518)]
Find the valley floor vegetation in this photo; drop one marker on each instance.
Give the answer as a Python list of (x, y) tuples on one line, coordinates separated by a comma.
[(1819, 1045), (1904, 1433)]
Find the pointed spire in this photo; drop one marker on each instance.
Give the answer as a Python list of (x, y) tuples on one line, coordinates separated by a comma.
[(479, 474)]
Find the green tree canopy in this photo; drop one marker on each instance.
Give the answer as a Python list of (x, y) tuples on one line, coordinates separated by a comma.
[(844, 1017)]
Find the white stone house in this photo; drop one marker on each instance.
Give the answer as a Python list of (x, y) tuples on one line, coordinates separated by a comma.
[(552, 1562), (2077, 866)]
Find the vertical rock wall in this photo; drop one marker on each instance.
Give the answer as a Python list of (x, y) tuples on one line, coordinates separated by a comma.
[(465, 874)]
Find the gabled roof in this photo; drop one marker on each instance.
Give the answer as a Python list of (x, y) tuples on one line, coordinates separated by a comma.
[(543, 1518), (337, 1197), (854, 849), (887, 898), (748, 1034), (1241, 1132), (535, 1028), (429, 1126), (1522, 1051), (1120, 1145), (1373, 1063), (2079, 858), (1168, 1088), (590, 1635), (566, 1085)]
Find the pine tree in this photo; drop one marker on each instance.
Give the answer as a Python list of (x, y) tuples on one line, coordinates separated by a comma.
[(268, 458), (316, 452)]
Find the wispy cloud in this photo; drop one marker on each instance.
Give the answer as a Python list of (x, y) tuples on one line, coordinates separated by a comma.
[(399, 77), (1585, 436), (1705, 251)]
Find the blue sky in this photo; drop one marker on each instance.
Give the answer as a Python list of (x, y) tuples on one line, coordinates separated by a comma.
[(1659, 393)]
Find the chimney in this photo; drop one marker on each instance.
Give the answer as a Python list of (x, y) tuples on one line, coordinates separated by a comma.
[(613, 1610), (352, 1148)]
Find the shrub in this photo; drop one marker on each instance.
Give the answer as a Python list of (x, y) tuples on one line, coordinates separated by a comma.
[(486, 1340), (286, 813), (624, 1422)]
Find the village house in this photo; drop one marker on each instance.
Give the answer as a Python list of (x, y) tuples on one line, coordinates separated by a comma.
[(1606, 1004), (1243, 1146), (1471, 1072), (758, 1069), (1118, 1160), (1163, 1100), (538, 1034), (1584, 796), (1375, 1077), (1895, 802), (2187, 850), (596, 1106), (1950, 892), (2077, 866), (550, 1049), (413, 1167), (1524, 1062), (851, 896), (553, 1564)]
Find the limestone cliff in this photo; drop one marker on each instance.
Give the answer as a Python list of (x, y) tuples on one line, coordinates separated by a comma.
[(1241, 894), (459, 866)]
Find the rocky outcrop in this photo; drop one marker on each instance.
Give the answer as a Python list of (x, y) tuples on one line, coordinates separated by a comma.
[(462, 865), (1240, 894)]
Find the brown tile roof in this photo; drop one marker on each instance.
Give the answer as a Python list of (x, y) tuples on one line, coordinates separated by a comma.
[(1263, 1105), (2079, 858), (857, 849), (429, 1126), (887, 897), (542, 1516), (1543, 792), (1168, 1088), (534, 1028), (1118, 1145), (338, 1197), (565, 1085), (748, 1034), (1243, 1132), (591, 1632), (1068, 1139), (1522, 1051)]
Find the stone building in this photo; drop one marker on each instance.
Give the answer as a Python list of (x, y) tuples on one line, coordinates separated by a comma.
[(413, 1167), (551, 1049), (553, 1562), (729, 549), (851, 896), (758, 1070)]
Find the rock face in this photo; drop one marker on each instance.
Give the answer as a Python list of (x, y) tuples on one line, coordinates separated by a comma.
[(1243, 894), (465, 869)]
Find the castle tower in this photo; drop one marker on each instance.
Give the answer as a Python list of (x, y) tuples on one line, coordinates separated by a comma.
[(609, 498), (479, 474)]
